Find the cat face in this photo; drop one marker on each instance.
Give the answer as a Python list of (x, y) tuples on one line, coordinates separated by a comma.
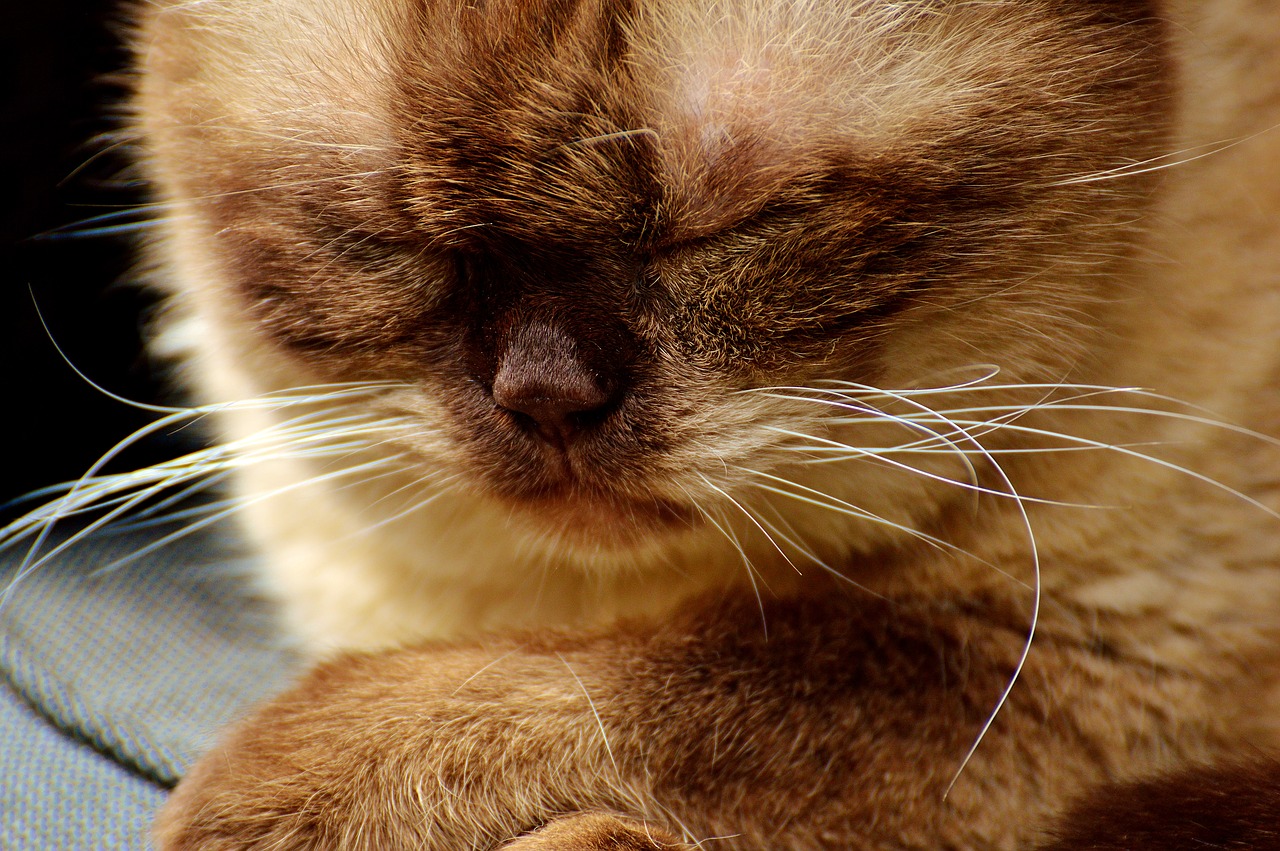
[(585, 240)]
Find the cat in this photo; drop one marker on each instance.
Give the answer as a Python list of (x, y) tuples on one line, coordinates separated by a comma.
[(753, 424)]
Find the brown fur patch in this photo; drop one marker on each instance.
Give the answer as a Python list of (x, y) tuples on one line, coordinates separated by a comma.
[(1232, 807)]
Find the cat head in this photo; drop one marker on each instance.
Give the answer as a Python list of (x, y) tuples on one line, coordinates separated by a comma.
[(612, 255)]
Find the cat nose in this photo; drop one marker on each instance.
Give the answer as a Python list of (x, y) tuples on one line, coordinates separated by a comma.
[(543, 379)]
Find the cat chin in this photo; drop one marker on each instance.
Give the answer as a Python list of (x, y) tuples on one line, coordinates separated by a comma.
[(449, 576), (589, 527)]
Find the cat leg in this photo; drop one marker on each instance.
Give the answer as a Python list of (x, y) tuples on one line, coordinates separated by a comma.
[(824, 722)]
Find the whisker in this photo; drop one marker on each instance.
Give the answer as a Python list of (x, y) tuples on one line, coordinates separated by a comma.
[(1149, 412), (1001, 419), (962, 429), (1020, 504), (752, 572), (1164, 161), (753, 520), (815, 497), (152, 515), (791, 538), (604, 736), (963, 434), (235, 506), (445, 488), (97, 225), (883, 458), (128, 491), (146, 493), (1124, 449), (1026, 647), (877, 415), (202, 508)]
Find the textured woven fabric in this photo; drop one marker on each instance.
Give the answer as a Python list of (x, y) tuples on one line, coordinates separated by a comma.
[(58, 793), (119, 663)]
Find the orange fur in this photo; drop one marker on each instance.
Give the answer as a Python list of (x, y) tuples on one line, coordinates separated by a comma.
[(778, 249)]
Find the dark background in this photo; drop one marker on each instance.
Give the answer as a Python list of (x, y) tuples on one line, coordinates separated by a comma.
[(59, 58)]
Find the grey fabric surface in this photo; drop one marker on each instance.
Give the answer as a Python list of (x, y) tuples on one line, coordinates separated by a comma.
[(58, 793), (116, 675)]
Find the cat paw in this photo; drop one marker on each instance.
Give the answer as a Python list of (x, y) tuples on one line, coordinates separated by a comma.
[(597, 832)]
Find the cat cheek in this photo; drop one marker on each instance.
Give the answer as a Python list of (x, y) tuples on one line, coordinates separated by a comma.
[(372, 318)]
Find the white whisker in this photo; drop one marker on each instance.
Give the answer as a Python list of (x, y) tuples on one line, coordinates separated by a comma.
[(1164, 161), (1020, 504), (817, 498), (791, 537), (143, 495), (604, 736), (962, 431), (753, 520), (752, 572), (883, 458), (443, 489), (237, 505)]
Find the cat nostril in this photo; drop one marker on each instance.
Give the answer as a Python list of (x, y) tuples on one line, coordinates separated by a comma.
[(541, 380), (553, 412)]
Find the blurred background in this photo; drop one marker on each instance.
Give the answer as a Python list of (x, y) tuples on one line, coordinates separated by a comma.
[(62, 90)]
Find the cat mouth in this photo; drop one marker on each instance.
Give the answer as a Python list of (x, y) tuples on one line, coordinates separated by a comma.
[(583, 492)]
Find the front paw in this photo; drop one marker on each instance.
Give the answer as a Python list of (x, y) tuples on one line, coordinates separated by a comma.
[(413, 749), (597, 832)]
